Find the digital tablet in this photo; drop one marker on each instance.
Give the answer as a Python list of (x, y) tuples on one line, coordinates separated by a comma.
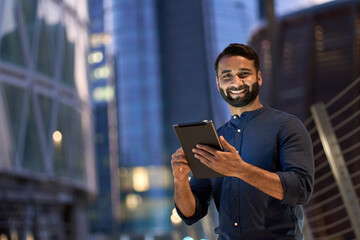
[(190, 134)]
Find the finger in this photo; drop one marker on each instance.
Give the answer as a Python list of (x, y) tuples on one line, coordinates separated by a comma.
[(178, 155), (180, 151), (180, 164), (206, 148), (178, 158), (203, 153), (204, 160), (226, 145)]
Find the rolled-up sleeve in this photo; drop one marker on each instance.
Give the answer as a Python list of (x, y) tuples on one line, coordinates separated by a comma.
[(297, 162), (201, 189)]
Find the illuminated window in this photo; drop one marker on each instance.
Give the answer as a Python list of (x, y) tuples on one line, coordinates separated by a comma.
[(95, 57), (133, 201), (101, 72), (103, 93), (140, 179)]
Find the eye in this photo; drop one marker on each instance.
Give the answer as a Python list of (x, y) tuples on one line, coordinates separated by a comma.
[(226, 76), (244, 74)]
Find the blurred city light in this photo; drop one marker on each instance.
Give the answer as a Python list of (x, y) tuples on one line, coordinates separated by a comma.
[(98, 39), (175, 218), (105, 93), (95, 57), (140, 179), (57, 137), (133, 201), (101, 72)]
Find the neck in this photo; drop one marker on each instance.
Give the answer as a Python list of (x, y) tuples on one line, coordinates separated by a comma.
[(247, 108)]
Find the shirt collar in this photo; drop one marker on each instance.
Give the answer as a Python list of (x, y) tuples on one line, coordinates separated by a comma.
[(248, 115)]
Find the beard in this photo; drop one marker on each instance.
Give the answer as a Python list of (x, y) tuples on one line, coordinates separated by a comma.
[(240, 101)]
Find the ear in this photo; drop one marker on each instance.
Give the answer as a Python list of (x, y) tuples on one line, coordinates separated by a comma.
[(259, 78), (217, 83)]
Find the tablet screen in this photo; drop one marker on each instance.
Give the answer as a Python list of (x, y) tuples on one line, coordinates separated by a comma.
[(190, 134)]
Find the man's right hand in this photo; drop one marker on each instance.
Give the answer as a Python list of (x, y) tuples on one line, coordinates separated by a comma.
[(180, 166), (183, 196)]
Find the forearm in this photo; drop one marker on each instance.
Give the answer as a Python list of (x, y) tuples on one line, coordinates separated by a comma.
[(184, 198), (265, 181)]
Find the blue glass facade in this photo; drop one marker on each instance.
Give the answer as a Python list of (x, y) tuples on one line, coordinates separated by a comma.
[(138, 82), (146, 192)]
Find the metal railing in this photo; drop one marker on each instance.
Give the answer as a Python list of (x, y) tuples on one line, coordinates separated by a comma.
[(334, 210)]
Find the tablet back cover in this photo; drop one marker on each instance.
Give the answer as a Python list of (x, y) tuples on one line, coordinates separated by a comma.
[(189, 135)]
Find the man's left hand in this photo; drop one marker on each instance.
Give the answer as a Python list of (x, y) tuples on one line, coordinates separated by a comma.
[(227, 163)]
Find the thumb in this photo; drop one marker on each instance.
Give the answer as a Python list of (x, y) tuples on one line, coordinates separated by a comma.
[(226, 145)]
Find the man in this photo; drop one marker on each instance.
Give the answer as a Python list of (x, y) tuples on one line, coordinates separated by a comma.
[(268, 161)]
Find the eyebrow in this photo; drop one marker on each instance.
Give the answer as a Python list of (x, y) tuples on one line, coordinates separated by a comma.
[(225, 71), (241, 69)]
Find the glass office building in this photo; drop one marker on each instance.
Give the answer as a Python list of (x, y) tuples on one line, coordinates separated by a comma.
[(144, 178), (46, 151), (101, 212)]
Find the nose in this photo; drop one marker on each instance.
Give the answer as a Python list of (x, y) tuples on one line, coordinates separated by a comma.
[(238, 79)]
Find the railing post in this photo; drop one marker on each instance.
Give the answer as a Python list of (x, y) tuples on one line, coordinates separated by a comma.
[(337, 164)]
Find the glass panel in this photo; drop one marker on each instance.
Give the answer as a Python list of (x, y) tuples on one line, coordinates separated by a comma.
[(10, 44), (67, 73), (46, 109), (28, 8), (14, 97), (6, 146), (50, 15), (77, 145), (45, 59), (61, 145), (32, 159), (69, 151)]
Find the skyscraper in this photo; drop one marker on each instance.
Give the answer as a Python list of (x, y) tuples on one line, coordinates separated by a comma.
[(100, 213), (46, 153)]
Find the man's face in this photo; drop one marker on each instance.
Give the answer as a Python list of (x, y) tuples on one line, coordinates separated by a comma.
[(238, 81)]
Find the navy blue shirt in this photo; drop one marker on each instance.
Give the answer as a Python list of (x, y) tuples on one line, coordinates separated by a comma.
[(274, 141)]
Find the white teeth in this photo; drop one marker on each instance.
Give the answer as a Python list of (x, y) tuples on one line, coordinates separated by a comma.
[(237, 91)]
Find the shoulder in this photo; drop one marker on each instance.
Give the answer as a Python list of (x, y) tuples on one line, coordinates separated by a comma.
[(279, 115), (290, 128), (284, 119), (285, 124)]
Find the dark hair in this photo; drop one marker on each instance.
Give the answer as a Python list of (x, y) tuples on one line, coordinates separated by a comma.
[(238, 49)]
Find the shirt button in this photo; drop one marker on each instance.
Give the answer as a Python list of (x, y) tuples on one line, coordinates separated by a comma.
[(235, 224), (234, 117), (239, 130)]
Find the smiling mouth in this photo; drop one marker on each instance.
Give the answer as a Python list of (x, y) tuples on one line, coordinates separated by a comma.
[(237, 91)]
